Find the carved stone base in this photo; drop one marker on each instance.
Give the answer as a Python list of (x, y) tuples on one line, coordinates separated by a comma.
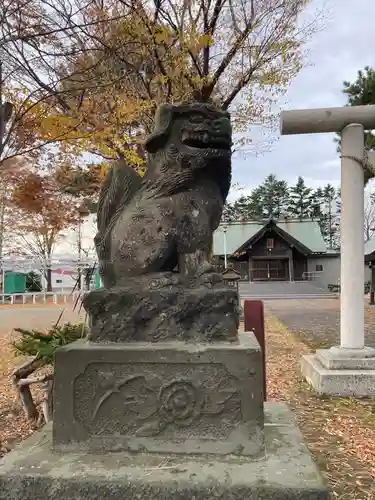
[(286, 471), (163, 309), (170, 397)]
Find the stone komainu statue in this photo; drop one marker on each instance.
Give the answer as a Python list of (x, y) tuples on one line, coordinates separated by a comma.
[(165, 220)]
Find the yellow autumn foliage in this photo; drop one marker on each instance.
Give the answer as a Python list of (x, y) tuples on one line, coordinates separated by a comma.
[(123, 58), (111, 109), (99, 125), (21, 132)]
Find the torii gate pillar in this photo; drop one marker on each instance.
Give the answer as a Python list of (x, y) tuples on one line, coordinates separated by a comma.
[(348, 369)]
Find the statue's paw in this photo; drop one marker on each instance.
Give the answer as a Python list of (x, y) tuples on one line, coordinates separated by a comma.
[(205, 268), (161, 280), (209, 280)]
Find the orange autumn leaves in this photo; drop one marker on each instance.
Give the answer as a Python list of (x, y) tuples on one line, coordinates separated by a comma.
[(44, 207)]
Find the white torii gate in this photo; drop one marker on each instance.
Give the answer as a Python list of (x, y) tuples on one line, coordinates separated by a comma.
[(350, 368)]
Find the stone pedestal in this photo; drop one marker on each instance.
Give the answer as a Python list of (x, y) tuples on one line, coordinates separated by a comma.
[(157, 421), (34, 471), (341, 372), (168, 397)]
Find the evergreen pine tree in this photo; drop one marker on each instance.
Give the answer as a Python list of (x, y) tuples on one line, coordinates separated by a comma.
[(229, 213), (44, 344), (331, 214), (256, 202), (326, 211), (317, 203), (361, 92), (300, 200), (270, 199), (242, 209), (281, 198)]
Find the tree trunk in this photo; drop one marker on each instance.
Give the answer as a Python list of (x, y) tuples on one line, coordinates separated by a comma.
[(24, 390), (2, 223), (79, 279), (88, 277), (49, 279), (47, 403), (28, 402)]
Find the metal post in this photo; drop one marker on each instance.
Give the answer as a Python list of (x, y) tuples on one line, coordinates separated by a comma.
[(2, 188), (254, 322), (225, 246), (79, 244)]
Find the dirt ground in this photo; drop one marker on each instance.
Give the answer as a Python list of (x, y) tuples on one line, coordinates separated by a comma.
[(339, 432), (13, 425)]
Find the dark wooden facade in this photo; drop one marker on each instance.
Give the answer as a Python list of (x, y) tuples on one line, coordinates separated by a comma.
[(269, 258), (271, 255), (273, 258), (299, 264)]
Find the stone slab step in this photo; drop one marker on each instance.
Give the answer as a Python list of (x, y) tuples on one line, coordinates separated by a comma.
[(288, 297)]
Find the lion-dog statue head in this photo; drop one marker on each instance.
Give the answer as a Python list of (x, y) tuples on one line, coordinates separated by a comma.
[(194, 138)]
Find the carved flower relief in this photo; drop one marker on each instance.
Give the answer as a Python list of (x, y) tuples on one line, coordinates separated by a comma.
[(179, 403), (106, 380)]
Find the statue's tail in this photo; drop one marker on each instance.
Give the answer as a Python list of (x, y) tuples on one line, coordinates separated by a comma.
[(119, 187)]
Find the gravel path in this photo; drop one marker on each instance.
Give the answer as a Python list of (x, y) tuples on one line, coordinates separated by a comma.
[(318, 321), (38, 317)]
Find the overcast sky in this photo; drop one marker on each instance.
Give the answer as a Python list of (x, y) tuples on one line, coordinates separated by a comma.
[(346, 44)]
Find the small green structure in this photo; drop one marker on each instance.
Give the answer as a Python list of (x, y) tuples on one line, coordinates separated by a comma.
[(97, 280), (14, 283)]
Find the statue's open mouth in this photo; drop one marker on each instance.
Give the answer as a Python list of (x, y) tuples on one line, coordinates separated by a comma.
[(207, 142)]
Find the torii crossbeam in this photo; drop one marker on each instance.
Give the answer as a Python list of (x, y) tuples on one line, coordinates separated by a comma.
[(331, 371)]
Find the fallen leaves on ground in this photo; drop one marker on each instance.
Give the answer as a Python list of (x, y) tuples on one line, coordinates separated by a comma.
[(340, 432), (14, 426)]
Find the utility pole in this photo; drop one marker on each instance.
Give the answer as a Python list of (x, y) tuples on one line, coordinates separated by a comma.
[(2, 120), (6, 110), (79, 245), (225, 227), (330, 220), (2, 185), (2, 223)]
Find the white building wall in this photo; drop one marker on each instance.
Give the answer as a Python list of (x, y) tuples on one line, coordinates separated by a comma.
[(62, 281), (331, 270)]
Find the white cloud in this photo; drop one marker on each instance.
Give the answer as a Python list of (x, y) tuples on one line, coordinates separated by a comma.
[(336, 54)]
